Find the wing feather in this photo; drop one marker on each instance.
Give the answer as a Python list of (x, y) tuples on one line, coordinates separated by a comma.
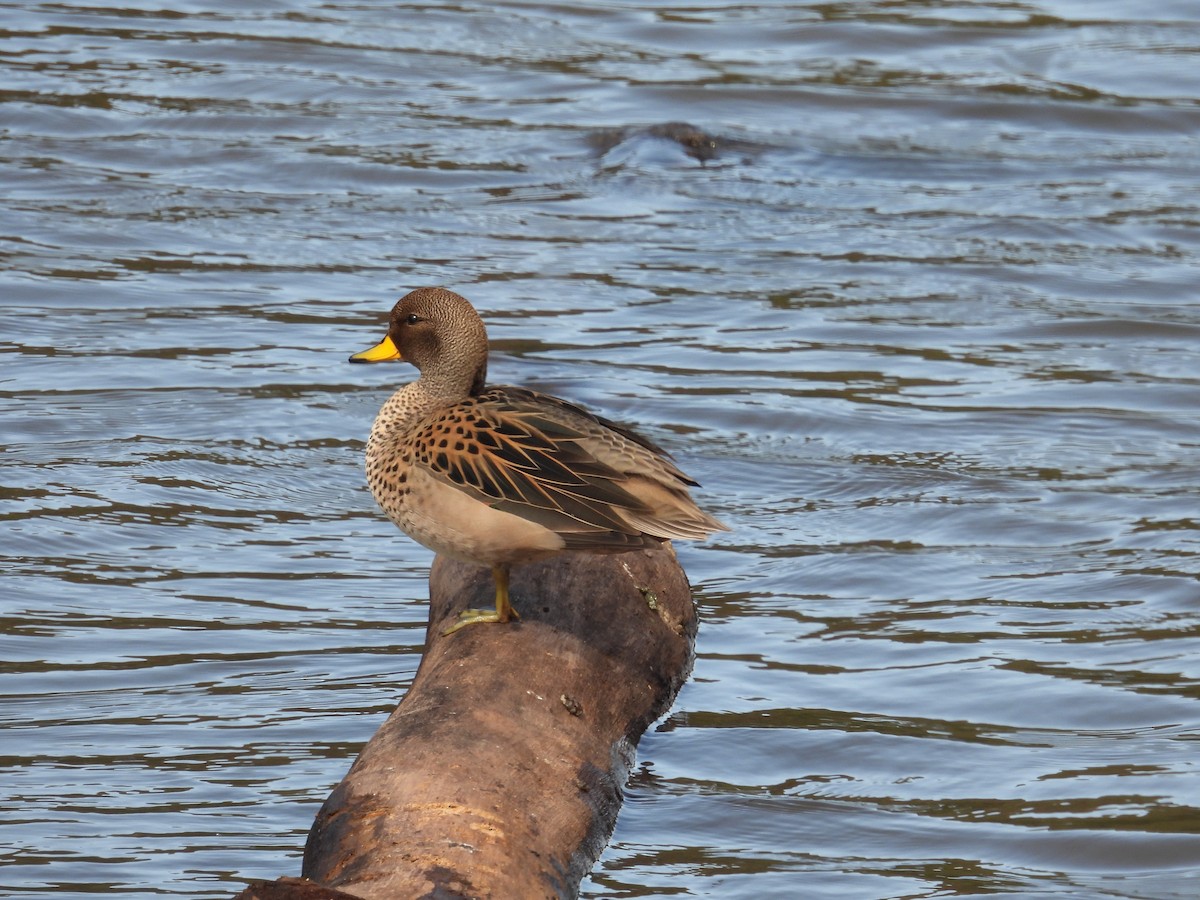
[(556, 464)]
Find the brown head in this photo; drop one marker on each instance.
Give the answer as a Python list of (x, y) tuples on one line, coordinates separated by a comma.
[(440, 333)]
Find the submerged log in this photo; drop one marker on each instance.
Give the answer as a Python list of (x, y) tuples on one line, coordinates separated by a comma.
[(500, 773)]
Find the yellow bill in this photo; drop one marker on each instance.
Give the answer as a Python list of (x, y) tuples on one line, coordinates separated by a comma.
[(381, 352)]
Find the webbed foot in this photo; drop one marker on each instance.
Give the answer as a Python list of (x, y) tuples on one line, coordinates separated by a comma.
[(504, 611), (480, 616)]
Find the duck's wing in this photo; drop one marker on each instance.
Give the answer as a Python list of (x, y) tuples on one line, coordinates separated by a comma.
[(597, 484)]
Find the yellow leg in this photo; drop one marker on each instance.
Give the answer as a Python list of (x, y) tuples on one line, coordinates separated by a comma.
[(504, 610)]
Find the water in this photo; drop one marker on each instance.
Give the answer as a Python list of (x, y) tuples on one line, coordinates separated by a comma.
[(925, 331)]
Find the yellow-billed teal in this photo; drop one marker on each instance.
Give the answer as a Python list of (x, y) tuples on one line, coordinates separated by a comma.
[(501, 475)]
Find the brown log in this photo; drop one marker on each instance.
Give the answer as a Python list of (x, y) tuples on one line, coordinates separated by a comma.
[(500, 774), (291, 889)]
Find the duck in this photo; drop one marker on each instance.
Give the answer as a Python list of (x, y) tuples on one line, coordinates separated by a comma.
[(498, 475)]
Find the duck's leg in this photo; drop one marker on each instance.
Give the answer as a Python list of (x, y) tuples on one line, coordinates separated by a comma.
[(504, 610)]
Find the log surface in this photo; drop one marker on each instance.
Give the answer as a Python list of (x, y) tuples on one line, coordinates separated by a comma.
[(500, 773)]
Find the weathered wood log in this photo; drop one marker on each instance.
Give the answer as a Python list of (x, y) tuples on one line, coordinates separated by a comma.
[(500, 773), (291, 889)]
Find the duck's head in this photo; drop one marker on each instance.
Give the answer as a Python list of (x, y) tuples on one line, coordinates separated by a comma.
[(440, 333)]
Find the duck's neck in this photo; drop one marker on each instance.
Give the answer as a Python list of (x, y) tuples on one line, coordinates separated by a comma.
[(405, 407), (451, 385)]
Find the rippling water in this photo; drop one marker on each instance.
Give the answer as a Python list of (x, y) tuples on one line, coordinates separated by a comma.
[(925, 328)]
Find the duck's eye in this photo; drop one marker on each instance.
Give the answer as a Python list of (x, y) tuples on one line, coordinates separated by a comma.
[(412, 319)]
